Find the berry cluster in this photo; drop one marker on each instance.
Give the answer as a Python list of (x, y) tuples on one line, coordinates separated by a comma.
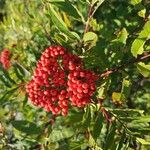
[(81, 86), (5, 58), (59, 79)]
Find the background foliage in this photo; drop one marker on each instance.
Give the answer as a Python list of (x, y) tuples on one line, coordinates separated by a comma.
[(106, 34)]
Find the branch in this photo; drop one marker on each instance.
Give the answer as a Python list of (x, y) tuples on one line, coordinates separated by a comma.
[(121, 67), (90, 15)]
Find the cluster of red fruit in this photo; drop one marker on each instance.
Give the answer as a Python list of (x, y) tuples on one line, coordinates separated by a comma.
[(59, 80), (5, 58)]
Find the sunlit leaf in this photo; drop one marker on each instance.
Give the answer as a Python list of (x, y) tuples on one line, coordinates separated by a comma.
[(137, 46), (144, 69)]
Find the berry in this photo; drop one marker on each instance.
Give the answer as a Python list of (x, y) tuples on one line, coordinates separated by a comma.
[(5, 58), (59, 79), (80, 84)]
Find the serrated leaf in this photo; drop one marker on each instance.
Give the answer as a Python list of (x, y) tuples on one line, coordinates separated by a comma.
[(144, 69), (59, 22), (26, 127), (144, 35)]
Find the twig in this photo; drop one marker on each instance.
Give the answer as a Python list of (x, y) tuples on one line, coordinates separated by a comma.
[(116, 69), (90, 15)]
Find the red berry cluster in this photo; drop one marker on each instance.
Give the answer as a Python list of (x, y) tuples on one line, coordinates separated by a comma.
[(58, 79), (5, 58), (81, 86)]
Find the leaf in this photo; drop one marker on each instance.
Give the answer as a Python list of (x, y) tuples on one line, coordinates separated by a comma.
[(123, 35), (6, 74), (110, 137), (127, 112), (122, 139), (90, 36), (126, 87), (57, 135), (5, 81), (135, 2), (59, 22), (117, 98), (144, 69), (26, 127), (7, 95), (74, 118), (69, 8), (98, 125), (86, 117), (142, 141), (93, 144), (90, 39), (137, 45), (142, 13)]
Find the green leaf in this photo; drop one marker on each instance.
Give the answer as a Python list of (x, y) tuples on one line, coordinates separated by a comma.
[(5, 81), (6, 74), (127, 112), (59, 22), (142, 141), (57, 135), (117, 98), (98, 124), (26, 127), (123, 35), (126, 88), (144, 69), (142, 13), (86, 117), (93, 144), (137, 45), (69, 8), (90, 36), (7, 95), (122, 139), (90, 39), (110, 137), (135, 2)]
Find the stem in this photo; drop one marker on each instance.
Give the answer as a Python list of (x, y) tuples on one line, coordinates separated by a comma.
[(121, 67), (90, 15)]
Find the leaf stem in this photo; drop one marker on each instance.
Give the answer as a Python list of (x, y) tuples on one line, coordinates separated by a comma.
[(121, 67)]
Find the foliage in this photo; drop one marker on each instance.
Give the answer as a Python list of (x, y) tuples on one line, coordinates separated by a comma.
[(113, 39)]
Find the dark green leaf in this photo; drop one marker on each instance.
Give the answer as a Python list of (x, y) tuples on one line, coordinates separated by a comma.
[(59, 23), (110, 137), (98, 124), (86, 117), (122, 139), (69, 8), (26, 127)]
